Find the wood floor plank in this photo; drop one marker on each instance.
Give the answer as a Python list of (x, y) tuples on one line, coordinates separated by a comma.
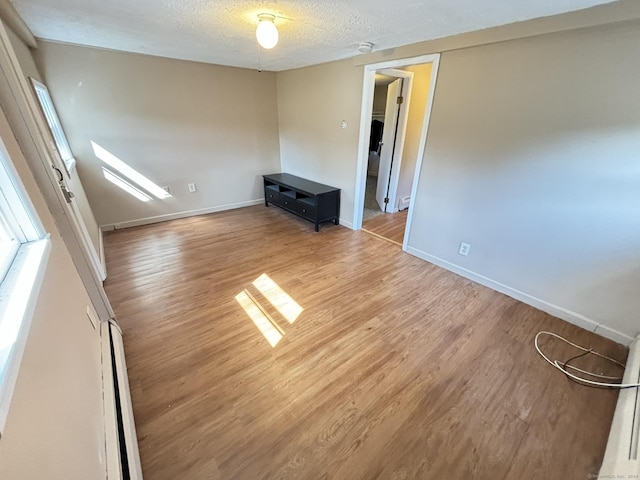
[(389, 225), (394, 368)]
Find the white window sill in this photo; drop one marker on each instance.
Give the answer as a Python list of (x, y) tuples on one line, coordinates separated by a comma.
[(18, 297)]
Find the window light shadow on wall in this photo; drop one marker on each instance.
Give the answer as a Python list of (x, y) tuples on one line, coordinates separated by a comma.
[(124, 185), (130, 173), (278, 298)]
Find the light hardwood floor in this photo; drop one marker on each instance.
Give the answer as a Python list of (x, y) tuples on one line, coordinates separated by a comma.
[(395, 369), (390, 226)]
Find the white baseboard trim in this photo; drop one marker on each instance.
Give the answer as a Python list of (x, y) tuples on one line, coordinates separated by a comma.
[(614, 335), (346, 223), (555, 310), (103, 261), (174, 216)]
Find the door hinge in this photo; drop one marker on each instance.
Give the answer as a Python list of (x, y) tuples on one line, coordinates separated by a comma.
[(386, 200), (400, 100)]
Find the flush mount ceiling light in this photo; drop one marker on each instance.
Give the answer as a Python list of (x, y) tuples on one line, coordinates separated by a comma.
[(267, 33)]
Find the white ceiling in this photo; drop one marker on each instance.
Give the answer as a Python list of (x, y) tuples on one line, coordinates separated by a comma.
[(311, 31)]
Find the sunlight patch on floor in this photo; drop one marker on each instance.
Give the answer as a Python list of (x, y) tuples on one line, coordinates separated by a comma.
[(278, 298), (260, 319), (286, 305)]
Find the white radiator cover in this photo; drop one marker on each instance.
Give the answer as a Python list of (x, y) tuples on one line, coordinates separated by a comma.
[(403, 203), (622, 456), (113, 440)]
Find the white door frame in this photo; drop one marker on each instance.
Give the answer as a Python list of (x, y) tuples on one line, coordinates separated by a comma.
[(23, 114), (368, 87), (401, 134)]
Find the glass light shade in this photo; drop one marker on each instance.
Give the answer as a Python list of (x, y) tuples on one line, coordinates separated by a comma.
[(267, 33)]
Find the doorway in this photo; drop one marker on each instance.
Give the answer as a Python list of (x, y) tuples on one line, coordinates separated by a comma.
[(388, 167), (386, 142), (386, 145)]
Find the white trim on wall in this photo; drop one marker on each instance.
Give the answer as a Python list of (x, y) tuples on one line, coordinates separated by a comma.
[(368, 87), (177, 215), (346, 223), (189, 213), (103, 260), (555, 310)]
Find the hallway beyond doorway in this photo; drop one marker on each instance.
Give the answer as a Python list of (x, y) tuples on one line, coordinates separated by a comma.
[(390, 226), (371, 207)]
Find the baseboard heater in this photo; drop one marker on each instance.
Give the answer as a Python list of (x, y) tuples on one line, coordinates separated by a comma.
[(123, 457), (622, 456), (403, 203)]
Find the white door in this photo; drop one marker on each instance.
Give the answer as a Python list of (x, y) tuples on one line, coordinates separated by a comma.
[(33, 134), (74, 214), (58, 142), (391, 114)]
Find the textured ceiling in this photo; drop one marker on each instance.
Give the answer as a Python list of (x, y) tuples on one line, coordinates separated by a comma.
[(311, 32)]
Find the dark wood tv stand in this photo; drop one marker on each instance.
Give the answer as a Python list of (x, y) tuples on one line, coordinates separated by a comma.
[(310, 200)]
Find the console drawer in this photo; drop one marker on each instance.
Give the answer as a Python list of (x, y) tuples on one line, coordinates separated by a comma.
[(272, 195), (306, 208), (288, 199)]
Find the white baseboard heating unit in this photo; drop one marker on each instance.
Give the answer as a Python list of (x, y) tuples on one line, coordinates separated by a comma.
[(403, 203), (123, 457), (622, 456)]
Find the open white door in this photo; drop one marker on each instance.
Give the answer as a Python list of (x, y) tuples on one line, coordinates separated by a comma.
[(391, 114), (58, 142), (32, 133)]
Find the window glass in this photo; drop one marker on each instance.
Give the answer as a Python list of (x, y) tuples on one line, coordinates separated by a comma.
[(54, 124)]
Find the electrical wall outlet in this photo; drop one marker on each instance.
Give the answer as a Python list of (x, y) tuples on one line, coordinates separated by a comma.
[(192, 187), (464, 249)]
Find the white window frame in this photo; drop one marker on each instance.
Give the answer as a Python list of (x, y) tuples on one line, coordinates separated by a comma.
[(49, 111), (10, 240), (20, 283)]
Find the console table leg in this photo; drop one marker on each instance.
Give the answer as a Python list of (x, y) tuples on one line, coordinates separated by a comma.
[(317, 229)]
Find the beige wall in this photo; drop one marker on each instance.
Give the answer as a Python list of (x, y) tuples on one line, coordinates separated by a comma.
[(311, 104), (54, 429), (174, 121), (535, 168), (417, 105), (532, 166)]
